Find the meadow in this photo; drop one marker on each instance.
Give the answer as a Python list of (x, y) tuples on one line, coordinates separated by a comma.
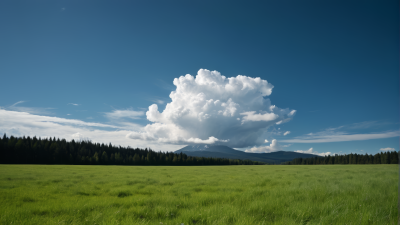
[(279, 194)]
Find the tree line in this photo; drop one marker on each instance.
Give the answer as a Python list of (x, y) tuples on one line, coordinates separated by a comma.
[(353, 158), (27, 150)]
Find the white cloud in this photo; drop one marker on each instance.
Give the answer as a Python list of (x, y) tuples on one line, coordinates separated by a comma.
[(266, 141), (19, 102), (367, 124), (274, 146), (33, 110), (335, 136), (251, 116), (286, 133), (211, 140), (128, 113), (77, 136), (285, 120), (9, 118), (211, 105), (24, 123), (387, 149), (345, 133), (311, 151), (363, 125), (74, 104)]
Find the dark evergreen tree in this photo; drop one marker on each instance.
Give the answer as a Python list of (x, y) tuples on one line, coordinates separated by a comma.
[(379, 158)]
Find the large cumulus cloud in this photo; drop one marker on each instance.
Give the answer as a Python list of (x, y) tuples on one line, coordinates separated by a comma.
[(211, 108)]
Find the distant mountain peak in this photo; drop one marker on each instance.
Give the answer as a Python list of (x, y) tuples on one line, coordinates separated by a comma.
[(197, 147), (222, 151)]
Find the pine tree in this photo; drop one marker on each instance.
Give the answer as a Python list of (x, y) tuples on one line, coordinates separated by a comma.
[(96, 158), (104, 157)]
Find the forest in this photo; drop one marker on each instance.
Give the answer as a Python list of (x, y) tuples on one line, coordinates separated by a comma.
[(27, 150), (378, 158)]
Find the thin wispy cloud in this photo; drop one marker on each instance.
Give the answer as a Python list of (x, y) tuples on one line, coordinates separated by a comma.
[(359, 126), (7, 117), (158, 100), (24, 123), (286, 133), (311, 151), (387, 149), (123, 114), (332, 136), (20, 102), (367, 124), (74, 104), (34, 110), (287, 119)]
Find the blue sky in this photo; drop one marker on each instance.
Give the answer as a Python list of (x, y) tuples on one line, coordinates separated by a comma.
[(92, 69)]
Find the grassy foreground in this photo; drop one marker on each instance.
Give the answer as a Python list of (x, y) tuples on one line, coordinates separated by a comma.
[(327, 194)]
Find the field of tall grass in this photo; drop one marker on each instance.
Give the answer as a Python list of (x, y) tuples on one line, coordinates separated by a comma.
[(325, 194)]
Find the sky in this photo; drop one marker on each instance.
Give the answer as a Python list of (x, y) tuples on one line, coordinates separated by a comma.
[(320, 77)]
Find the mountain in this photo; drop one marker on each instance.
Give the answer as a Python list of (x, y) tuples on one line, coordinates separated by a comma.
[(221, 151)]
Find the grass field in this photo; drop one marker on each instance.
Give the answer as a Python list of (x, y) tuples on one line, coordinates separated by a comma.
[(327, 194)]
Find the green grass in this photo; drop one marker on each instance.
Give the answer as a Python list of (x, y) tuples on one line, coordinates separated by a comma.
[(327, 194)]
